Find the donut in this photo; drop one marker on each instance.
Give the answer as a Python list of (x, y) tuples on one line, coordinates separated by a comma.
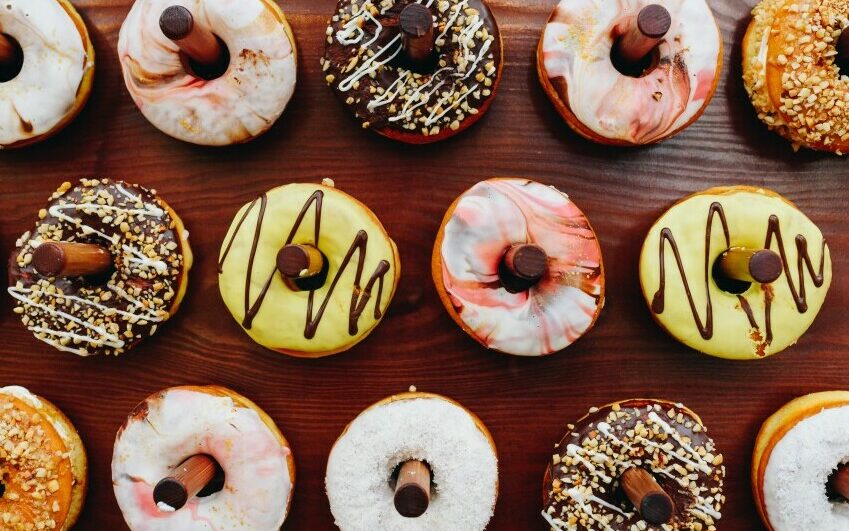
[(43, 464), (733, 314), (799, 452), (451, 441), (307, 270), (181, 99), (46, 72), (791, 53), (533, 305), (642, 100), (635, 464), (105, 265), (176, 424), (414, 71)]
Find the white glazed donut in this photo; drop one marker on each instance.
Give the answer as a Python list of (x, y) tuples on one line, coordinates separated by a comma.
[(180, 422), (236, 107), (58, 67), (607, 106), (425, 427)]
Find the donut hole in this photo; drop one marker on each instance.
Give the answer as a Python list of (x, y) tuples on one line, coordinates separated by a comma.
[(312, 283), (217, 482), (726, 284), (393, 478), (830, 489), (638, 69), (208, 72), (10, 70)]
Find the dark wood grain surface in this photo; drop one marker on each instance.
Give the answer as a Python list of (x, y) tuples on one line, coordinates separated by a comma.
[(526, 403)]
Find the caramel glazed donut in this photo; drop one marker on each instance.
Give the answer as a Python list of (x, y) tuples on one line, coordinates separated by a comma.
[(587, 483), (368, 67), (328, 303), (56, 60), (606, 106), (42, 464), (237, 107), (744, 321), (791, 74), (144, 281), (453, 443), (178, 423), (799, 472)]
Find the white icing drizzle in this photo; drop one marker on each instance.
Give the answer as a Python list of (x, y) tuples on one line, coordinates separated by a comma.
[(574, 451), (563, 526), (580, 498), (371, 64), (701, 463)]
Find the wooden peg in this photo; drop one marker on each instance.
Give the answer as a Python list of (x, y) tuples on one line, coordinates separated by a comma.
[(839, 481), (196, 41), (747, 265), (416, 23), (67, 259), (526, 261), (185, 482), (643, 31), (299, 261), (8, 51), (651, 501), (412, 491)]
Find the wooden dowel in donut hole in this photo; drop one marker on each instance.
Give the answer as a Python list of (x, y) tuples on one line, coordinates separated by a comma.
[(750, 265), (187, 480), (208, 55), (842, 58), (651, 501), (412, 490), (632, 52), (303, 267), (416, 25), (7, 50), (522, 267), (71, 259), (11, 58), (839, 481)]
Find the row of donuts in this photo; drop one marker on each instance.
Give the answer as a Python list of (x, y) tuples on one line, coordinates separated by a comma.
[(307, 270), (420, 461), (215, 72)]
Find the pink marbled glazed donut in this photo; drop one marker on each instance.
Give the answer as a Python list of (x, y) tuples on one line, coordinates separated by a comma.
[(477, 231)]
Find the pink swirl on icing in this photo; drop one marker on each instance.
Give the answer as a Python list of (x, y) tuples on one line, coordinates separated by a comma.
[(550, 316)]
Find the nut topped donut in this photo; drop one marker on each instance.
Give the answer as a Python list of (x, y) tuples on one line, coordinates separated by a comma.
[(414, 71), (209, 72), (630, 73), (735, 272), (42, 464), (106, 264), (307, 270), (46, 69), (635, 464), (518, 267)]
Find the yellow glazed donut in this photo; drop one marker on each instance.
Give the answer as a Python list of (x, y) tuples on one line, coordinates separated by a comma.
[(42, 464), (309, 313), (56, 72), (679, 280)]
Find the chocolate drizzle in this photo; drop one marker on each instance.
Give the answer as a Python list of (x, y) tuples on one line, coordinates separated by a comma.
[(360, 296)]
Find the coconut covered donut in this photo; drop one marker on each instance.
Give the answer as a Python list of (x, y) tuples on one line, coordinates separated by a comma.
[(241, 104), (738, 317), (46, 78), (307, 270), (518, 267), (177, 424), (635, 464), (800, 454), (576, 66), (791, 72), (452, 442), (42, 464), (414, 71), (106, 264)]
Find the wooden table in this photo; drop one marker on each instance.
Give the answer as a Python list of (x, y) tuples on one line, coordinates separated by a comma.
[(526, 403)]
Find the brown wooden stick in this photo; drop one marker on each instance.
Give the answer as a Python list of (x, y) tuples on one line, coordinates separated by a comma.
[(412, 491), (67, 259), (7, 51), (185, 482), (748, 265), (840, 481), (643, 31), (299, 261), (843, 46), (526, 261), (416, 22), (651, 501), (196, 41)]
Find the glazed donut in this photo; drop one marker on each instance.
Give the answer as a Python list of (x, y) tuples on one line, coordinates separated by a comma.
[(413, 427), (533, 305), (181, 422), (575, 60), (106, 264), (798, 453), (415, 71), (319, 268), (46, 77), (791, 74), (735, 314), (241, 104), (635, 464), (43, 464)]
